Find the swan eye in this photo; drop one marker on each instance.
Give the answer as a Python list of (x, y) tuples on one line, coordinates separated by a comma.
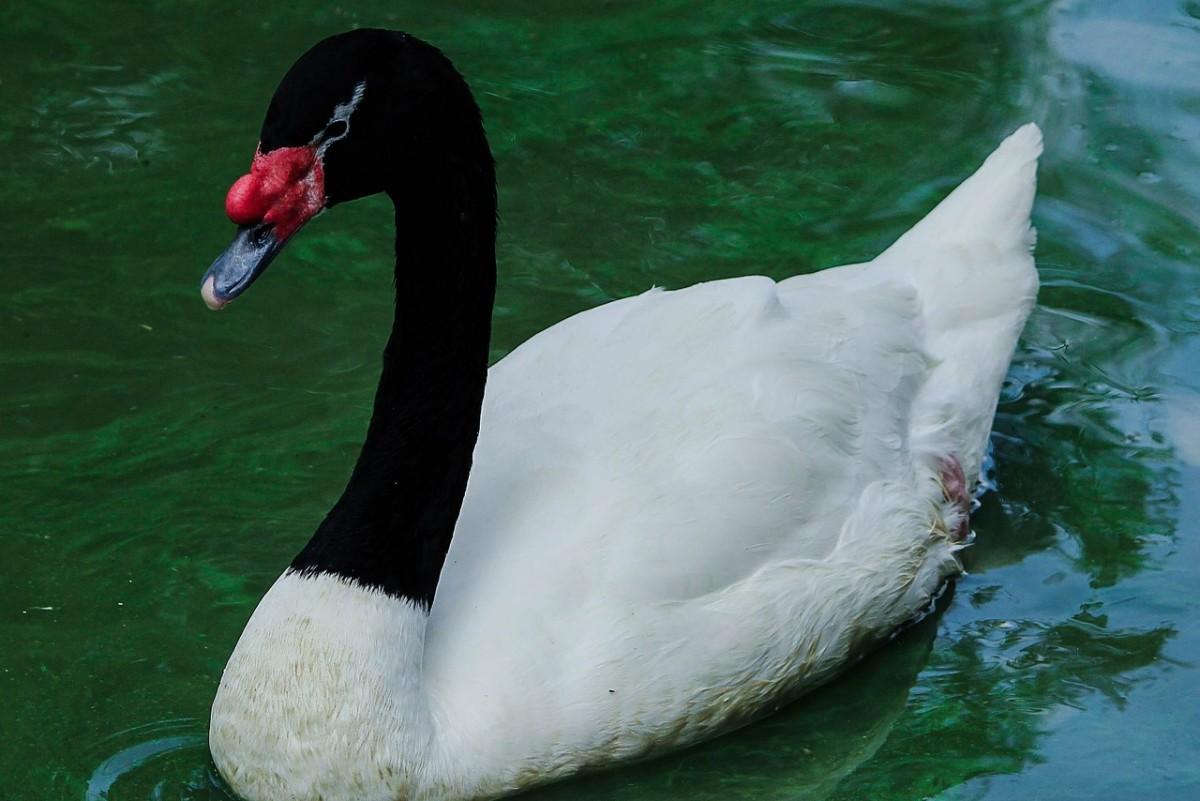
[(335, 130)]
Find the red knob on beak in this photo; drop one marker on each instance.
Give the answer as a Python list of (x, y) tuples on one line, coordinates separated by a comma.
[(244, 204)]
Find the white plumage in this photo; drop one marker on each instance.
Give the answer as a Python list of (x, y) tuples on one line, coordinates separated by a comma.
[(685, 508)]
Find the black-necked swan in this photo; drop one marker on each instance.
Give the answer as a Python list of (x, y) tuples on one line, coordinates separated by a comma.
[(648, 524)]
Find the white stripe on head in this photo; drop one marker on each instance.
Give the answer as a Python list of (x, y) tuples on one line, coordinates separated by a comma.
[(341, 113)]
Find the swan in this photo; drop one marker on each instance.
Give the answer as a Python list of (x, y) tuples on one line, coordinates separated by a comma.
[(648, 524)]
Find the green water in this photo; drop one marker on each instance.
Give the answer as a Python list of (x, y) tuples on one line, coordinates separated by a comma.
[(159, 464)]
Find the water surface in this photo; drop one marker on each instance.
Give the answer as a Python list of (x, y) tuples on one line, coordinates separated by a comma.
[(159, 464)]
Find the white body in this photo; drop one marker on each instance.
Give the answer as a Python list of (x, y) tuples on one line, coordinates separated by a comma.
[(685, 508)]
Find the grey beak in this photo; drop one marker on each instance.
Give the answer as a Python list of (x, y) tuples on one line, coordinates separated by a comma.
[(247, 257)]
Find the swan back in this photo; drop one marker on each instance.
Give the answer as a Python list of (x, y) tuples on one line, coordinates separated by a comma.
[(694, 504)]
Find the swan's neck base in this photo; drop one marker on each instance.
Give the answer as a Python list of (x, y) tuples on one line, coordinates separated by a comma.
[(322, 697)]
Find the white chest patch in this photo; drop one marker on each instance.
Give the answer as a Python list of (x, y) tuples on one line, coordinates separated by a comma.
[(322, 697)]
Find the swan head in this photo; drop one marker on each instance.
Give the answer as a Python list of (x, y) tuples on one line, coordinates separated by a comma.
[(360, 113)]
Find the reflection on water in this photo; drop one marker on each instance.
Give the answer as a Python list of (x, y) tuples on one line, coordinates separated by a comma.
[(152, 744), (161, 463), (101, 124)]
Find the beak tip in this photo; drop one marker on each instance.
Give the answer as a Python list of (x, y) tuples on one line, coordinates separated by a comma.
[(208, 292)]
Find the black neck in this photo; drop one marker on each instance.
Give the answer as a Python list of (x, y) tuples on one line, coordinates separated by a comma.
[(392, 526)]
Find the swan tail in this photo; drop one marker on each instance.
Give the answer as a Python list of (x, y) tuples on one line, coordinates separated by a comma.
[(971, 261), (991, 207)]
